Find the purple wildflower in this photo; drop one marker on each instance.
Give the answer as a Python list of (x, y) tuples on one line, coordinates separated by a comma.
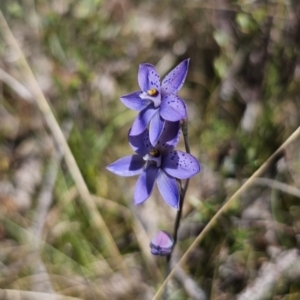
[(162, 243), (159, 162), (157, 102)]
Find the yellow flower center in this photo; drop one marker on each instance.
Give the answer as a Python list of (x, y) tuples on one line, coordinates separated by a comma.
[(154, 152), (152, 92)]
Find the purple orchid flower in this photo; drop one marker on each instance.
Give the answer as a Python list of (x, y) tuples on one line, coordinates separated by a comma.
[(157, 102), (159, 162)]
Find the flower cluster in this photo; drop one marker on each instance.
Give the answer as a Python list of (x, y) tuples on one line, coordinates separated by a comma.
[(154, 135)]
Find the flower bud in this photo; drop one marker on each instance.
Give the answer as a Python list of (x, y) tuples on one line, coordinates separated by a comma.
[(162, 243)]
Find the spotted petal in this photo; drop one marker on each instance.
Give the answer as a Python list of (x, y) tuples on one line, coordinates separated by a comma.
[(148, 78), (169, 137), (127, 166), (144, 184), (134, 101), (173, 108), (142, 120), (173, 81), (168, 188), (180, 164)]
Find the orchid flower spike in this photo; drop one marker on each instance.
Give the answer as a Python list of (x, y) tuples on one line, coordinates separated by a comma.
[(157, 102)]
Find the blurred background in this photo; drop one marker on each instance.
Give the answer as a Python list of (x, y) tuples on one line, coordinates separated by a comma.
[(242, 93)]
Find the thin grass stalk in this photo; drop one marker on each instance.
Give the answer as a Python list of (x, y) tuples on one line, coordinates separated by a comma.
[(9, 294), (225, 207), (86, 199)]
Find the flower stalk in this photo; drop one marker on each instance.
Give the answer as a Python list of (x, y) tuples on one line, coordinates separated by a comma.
[(153, 137), (183, 189)]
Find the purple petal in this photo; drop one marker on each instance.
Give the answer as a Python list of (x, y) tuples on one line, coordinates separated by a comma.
[(162, 243), (173, 108), (148, 78), (143, 118), (144, 184), (127, 166), (180, 164), (155, 128), (134, 101), (173, 82), (169, 137), (140, 143), (168, 188)]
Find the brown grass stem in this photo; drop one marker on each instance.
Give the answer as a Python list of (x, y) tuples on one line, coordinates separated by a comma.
[(224, 208), (26, 295), (86, 199)]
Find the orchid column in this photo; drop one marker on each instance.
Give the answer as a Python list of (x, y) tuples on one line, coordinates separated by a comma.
[(153, 136)]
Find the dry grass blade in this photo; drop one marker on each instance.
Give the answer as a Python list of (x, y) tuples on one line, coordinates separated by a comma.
[(286, 265), (24, 295), (140, 232), (96, 219), (246, 8), (16, 86), (41, 282), (278, 186), (191, 287), (224, 208)]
